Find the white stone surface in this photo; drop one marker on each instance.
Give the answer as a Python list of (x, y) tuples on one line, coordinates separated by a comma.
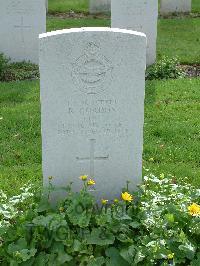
[(138, 15), (100, 6), (21, 22), (92, 106), (172, 6)]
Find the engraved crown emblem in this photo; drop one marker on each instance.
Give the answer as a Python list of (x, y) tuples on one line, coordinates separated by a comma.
[(92, 71)]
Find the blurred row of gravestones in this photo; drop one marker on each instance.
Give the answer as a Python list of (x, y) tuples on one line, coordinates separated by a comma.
[(166, 6)]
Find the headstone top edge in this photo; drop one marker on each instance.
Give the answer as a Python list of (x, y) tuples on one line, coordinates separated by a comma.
[(91, 29)]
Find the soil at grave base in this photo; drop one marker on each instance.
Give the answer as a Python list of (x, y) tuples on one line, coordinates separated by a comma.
[(77, 15), (191, 70), (180, 15)]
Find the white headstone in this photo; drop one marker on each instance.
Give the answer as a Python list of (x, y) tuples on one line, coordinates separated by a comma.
[(100, 6), (21, 22), (92, 101), (138, 15), (173, 6)]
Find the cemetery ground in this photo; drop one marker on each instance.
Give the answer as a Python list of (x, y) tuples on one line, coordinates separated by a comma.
[(82, 6), (159, 224), (171, 135), (171, 132)]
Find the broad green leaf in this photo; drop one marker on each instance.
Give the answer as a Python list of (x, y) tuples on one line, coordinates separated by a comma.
[(188, 249), (101, 237), (96, 261), (115, 259)]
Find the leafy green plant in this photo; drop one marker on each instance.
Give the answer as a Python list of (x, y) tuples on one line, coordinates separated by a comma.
[(17, 71), (164, 69), (21, 71), (157, 225), (11, 207), (3, 65)]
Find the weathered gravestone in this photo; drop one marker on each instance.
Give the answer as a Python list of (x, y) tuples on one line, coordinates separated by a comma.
[(92, 106), (173, 6), (100, 6), (138, 15), (21, 22)]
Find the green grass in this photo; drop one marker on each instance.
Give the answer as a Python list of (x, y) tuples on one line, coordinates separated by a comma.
[(57, 24), (196, 6), (67, 5), (171, 137), (172, 128), (83, 6), (176, 37), (20, 156), (179, 37), (172, 131)]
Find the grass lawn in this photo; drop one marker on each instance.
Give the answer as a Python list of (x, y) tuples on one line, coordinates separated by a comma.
[(196, 6), (83, 5), (57, 23), (179, 37), (171, 138), (172, 128), (176, 37), (67, 5)]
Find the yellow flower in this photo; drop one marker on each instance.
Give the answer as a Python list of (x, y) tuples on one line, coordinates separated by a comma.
[(116, 200), (17, 253), (194, 209), (162, 176), (61, 209), (104, 201), (84, 177), (91, 182), (50, 177), (127, 197), (151, 159), (170, 256)]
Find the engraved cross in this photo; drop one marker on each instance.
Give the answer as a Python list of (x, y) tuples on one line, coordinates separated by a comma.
[(22, 27), (92, 157)]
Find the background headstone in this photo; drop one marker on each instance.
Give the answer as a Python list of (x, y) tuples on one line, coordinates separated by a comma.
[(21, 22), (172, 6), (92, 107), (138, 15), (100, 6)]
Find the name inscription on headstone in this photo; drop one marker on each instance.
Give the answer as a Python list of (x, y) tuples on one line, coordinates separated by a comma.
[(89, 111)]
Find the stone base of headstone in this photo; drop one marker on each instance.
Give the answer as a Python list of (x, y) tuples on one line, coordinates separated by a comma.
[(100, 6), (175, 6)]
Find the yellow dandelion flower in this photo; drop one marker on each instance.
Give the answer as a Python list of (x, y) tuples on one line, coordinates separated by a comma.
[(91, 182), (170, 256), (116, 200), (84, 177), (127, 197), (104, 201), (194, 209)]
